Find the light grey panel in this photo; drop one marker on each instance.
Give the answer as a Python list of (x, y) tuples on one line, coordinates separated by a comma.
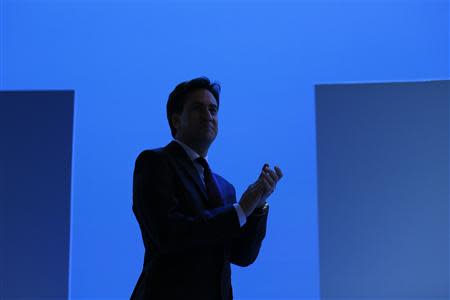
[(383, 190)]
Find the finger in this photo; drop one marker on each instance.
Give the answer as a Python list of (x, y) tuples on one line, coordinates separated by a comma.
[(266, 183), (264, 169), (269, 178), (269, 187), (279, 173), (258, 186), (261, 175), (273, 175), (269, 181)]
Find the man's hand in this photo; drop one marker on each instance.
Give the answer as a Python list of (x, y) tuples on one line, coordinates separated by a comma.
[(270, 179), (251, 197), (257, 193)]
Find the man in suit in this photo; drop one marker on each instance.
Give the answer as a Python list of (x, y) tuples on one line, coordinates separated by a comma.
[(191, 225)]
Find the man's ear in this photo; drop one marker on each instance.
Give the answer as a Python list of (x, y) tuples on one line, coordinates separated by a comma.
[(175, 120)]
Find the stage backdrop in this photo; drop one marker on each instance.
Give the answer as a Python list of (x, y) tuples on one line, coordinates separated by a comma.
[(35, 192), (124, 57), (383, 190)]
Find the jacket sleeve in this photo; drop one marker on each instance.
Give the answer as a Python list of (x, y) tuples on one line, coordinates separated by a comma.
[(165, 226), (245, 247)]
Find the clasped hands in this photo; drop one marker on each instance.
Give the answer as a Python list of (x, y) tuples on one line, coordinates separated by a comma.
[(257, 192)]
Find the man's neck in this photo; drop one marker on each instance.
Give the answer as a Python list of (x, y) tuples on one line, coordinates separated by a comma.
[(201, 150)]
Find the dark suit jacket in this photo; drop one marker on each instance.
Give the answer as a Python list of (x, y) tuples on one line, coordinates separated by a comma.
[(188, 245)]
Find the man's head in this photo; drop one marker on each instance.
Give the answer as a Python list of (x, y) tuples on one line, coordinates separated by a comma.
[(192, 110)]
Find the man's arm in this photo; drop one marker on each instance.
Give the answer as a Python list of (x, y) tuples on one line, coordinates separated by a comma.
[(245, 247), (157, 207)]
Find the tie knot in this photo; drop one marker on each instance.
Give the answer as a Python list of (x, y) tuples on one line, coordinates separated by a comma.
[(202, 162)]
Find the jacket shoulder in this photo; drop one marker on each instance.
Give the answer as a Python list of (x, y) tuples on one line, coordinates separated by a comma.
[(152, 157)]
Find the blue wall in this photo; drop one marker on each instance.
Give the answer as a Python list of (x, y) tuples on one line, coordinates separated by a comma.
[(123, 58)]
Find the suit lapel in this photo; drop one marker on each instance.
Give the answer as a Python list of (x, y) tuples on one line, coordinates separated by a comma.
[(182, 159)]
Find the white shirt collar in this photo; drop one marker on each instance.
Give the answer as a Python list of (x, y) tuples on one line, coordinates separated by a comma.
[(189, 151)]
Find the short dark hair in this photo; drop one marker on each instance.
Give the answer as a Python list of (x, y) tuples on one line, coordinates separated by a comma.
[(177, 97)]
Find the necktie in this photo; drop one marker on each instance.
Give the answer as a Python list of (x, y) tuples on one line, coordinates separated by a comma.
[(212, 188)]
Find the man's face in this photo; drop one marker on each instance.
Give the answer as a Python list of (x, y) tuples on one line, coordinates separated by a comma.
[(197, 123)]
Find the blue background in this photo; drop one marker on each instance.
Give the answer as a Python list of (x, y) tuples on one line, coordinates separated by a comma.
[(123, 58)]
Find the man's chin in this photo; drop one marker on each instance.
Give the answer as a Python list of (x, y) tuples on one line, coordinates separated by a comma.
[(210, 138), (207, 138)]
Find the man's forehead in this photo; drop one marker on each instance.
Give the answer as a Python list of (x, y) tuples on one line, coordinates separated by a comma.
[(201, 97)]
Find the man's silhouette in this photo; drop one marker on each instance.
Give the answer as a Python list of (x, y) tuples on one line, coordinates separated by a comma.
[(191, 224)]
